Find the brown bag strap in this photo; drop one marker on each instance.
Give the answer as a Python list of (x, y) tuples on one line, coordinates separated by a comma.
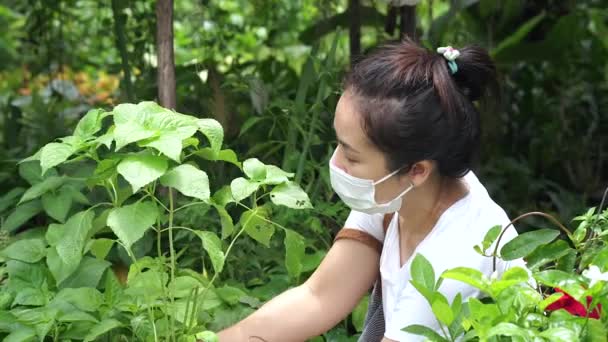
[(387, 221)]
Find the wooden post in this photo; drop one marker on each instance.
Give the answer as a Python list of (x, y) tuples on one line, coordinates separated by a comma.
[(354, 8), (408, 21), (164, 47)]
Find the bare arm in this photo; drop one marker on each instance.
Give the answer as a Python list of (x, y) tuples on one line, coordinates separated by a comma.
[(331, 293)]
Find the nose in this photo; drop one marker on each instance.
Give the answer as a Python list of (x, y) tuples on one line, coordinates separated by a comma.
[(337, 160)]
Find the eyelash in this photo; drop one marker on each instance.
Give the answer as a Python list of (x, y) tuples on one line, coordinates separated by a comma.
[(352, 161)]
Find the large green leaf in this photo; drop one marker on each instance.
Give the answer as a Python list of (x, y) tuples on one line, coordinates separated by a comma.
[(294, 252), (213, 245), (101, 247), (88, 274), (90, 123), (38, 189), (526, 243), (21, 215), (255, 225), (467, 275), (254, 169), (442, 310), (27, 250), (60, 269), (130, 122), (53, 154), (130, 222), (141, 169), (547, 253), (57, 204), (84, 298), (226, 155), (67, 244), (188, 180), (510, 329), (242, 188), (213, 131), (10, 198), (568, 282), (102, 328), (290, 195)]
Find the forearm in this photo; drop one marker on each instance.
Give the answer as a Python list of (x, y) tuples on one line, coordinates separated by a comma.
[(295, 315)]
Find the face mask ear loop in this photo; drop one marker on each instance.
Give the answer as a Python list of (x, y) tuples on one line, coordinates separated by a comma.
[(387, 176), (407, 190)]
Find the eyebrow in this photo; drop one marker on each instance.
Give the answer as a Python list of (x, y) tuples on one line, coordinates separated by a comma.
[(347, 146)]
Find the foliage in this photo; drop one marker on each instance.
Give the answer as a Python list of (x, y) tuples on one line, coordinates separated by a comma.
[(139, 161), (561, 297)]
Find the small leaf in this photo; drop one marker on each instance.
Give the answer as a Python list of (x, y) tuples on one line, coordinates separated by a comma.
[(225, 221), (10, 198), (130, 222), (524, 244), (427, 332), (290, 195), (27, 250), (21, 215), (31, 172), (59, 268), (255, 225), (254, 169), (188, 180), (53, 154), (242, 188), (213, 131), (90, 123), (141, 169), (422, 272), (490, 237), (207, 336), (294, 252), (38, 189), (213, 245)]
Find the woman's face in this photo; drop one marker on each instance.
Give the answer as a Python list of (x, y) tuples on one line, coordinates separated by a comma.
[(358, 156)]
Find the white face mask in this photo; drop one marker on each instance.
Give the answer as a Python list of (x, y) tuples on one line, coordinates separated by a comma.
[(360, 194)]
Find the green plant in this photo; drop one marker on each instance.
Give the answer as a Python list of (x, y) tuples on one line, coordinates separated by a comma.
[(566, 274), (124, 176)]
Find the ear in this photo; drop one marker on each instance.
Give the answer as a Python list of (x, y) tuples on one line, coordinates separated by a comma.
[(420, 172)]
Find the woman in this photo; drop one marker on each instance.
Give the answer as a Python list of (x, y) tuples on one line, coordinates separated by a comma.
[(407, 131)]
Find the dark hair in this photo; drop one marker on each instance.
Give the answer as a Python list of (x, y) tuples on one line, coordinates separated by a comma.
[(413, 108)]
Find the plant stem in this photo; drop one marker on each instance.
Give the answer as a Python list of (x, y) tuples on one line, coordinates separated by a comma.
[(533, 213), (172, 261)]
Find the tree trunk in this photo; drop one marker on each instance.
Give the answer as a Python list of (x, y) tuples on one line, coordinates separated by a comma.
[(408, 21), (354, 7), (164, 47), (120, 20)]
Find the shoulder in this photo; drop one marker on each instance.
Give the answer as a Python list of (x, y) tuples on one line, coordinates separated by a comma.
[(366, 228)]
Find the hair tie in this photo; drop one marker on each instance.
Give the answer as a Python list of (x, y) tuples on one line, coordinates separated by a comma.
[(450, 54)]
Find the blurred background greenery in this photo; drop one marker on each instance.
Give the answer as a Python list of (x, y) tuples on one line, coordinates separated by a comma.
[(270, 72)]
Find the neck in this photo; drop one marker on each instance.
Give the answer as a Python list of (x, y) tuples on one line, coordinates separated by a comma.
[(423, 205)]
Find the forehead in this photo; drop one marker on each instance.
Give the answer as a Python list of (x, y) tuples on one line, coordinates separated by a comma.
[(347, 122)]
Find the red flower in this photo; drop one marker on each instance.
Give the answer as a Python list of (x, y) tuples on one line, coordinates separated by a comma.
[(573, 306)]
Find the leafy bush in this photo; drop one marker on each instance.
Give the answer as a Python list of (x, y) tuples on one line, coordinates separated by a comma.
[(561, 302), (116, 181)]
